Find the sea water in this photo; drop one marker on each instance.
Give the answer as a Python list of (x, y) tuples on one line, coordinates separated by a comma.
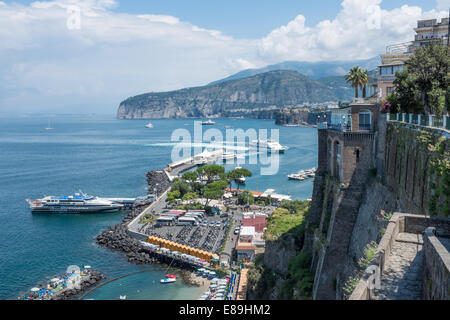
[(104, 157)]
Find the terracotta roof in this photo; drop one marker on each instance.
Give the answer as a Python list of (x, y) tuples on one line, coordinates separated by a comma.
[(259, 222), (245, 247)]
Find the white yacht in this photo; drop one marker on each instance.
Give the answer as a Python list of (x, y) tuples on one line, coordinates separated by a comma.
[(149, 125), (270, 145), (208, 123), (49, 127), (303, 175), (78, 203), (240, 180)]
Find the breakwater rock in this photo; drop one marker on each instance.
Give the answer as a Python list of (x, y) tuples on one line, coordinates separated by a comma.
[(157, 181), (117, 238), (94, 278)]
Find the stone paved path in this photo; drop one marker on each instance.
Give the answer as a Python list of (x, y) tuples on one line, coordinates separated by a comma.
[(402, 278)]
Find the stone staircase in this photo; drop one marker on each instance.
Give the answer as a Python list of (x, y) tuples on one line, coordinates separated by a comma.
[(402, 277)]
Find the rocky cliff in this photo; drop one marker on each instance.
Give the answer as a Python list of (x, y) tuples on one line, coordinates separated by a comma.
[(264, 92), (411, 175)]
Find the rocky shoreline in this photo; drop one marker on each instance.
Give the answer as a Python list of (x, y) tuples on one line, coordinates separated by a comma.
[(94, 278), (157, 181), (117, 238)]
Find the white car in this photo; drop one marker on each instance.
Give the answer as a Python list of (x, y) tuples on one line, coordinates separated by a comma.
[(237, 230)]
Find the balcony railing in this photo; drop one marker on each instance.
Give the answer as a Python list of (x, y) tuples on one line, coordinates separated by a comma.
[(430, 121), (365, 127), (340, 127)]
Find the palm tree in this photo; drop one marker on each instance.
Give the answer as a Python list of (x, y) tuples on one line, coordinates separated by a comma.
[(358, 77)]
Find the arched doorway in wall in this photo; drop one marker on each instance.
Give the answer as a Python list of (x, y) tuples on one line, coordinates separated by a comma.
[(337, 159), (330, 156)]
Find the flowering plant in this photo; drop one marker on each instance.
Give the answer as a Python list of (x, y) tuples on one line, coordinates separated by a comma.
[(386, 107)]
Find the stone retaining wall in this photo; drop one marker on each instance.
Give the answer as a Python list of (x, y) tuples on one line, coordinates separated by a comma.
[(436, 271), (364, 289), (409, 223)]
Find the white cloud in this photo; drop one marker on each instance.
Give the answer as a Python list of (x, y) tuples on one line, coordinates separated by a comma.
[(360, 30), (44, 66)]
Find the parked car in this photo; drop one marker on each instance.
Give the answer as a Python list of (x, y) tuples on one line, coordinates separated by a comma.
[(237, 230)]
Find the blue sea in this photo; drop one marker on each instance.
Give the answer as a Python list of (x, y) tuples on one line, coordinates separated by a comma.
[(106, 157)]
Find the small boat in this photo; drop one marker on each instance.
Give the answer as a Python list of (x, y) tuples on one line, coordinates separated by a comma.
[(303, 175), (49, 127), (168, 280), (240, 180), (171, 276), (208, 123), (149, 125), (123, 297)]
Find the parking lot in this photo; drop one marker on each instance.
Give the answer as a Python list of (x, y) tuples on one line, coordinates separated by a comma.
[(209, 235)]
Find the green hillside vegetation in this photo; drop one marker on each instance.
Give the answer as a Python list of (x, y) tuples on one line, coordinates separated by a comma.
[(287, 222), (281, 88)]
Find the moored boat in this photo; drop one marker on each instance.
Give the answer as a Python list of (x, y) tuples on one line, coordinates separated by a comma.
[(208, 123), (168, 280), (269, 145), (77, 203)]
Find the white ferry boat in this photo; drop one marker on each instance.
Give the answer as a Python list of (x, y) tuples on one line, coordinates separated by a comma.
[(228, 156), (270, 145), (78, 203)]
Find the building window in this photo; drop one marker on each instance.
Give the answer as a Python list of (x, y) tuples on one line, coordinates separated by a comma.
[(397, 68), (365, 120), (386, 70), (389, 90)]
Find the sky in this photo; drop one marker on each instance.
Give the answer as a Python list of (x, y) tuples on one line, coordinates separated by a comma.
[(78, 56)]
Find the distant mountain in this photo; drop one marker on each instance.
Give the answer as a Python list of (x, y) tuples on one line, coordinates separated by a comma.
[(314, 70), (273, 89)]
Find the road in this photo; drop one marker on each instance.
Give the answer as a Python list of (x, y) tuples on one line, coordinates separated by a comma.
[(232, 238)]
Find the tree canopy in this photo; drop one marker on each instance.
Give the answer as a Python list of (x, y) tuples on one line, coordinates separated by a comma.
[(210, 171), (425, 82), (358, 78)]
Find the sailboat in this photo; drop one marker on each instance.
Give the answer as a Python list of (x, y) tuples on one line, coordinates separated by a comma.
[(49, 127), (169, 278)]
